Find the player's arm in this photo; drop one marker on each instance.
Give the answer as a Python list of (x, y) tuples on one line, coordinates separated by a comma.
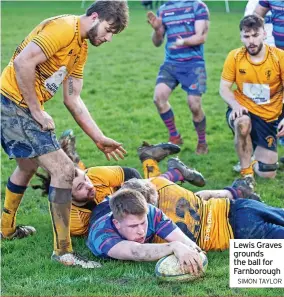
[(207, 194), (25, 64), (178, 235), (72, 88), (261, 10), (228, 96), (159, 29), (130, 250), (201, 32)]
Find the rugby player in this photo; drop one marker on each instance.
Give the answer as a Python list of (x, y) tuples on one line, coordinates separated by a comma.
[(255, 106), (185, 24), (54, 53)]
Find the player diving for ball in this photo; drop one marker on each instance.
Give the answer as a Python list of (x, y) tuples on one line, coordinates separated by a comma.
[(208, 218)]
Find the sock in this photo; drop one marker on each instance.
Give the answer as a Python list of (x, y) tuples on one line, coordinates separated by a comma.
[(169, 120), (81, 165), (13, 198), (249, 170), (173, 175), (60, 206), (200, 128), (150, 168)]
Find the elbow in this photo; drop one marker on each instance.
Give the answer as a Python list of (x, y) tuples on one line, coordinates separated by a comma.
[(18, 61)]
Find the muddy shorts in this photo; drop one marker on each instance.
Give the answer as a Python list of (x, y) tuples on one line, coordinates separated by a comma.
[(21, 135)]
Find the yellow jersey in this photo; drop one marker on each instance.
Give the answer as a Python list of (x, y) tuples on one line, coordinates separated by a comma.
[(205, 222), (259, 85), (60, 40)]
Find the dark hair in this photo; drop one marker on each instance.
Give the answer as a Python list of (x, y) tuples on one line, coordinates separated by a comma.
[(114, 12), (124, 202), (251, 22)]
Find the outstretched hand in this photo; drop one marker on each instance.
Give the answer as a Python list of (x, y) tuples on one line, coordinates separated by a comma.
[(111, 148), (153, 20)]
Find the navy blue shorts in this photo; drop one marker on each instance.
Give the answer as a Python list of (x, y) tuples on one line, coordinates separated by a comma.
[(252, 219), (191, 76), (21, 135), (262, 133)]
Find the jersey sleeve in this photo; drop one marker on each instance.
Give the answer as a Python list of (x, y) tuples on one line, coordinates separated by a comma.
[(78, 71), (264, 3), (102, 238), (229, 68), (201, 11), (54, 35), (161, 224)]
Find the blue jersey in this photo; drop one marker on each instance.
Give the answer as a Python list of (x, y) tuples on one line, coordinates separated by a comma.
[(103, 235), (277, 10), (178, 18)]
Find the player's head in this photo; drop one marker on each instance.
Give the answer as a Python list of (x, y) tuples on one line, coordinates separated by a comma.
[(130, 209), (108, 18), (143, 186), (252, 33), (82, 188)]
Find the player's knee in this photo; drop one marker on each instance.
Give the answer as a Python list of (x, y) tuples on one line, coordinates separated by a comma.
[(266, 170), (63, 173), (243, 127), (160, 98)]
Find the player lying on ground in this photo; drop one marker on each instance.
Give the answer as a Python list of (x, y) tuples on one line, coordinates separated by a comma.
[(91, 186), (119, 229)]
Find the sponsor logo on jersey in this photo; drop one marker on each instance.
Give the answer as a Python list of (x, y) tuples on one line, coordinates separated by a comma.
[(169, 13)]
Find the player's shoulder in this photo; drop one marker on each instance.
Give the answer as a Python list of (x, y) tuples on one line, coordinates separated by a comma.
[(276, 52), (66, 21), (237, 53)]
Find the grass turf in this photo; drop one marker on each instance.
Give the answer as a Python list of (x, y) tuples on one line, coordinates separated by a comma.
[(118, 89)]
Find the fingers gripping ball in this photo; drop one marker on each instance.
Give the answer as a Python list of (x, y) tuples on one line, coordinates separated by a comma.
[(168, 269)]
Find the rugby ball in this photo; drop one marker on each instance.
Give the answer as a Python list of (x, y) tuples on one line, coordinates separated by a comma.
[(168, 269)]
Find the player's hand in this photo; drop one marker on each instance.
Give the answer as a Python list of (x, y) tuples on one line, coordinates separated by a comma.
[(189, 259), (44, 119), (280, 129), (237, 111), (111, 148), (154, 21), (179, 42)]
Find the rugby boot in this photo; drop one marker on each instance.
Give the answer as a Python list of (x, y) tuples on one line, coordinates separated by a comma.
[(21, 232), (74, 259), (67, 142), (176, 139), (190, 175), (201, 149), (157, 152), (244, 189)]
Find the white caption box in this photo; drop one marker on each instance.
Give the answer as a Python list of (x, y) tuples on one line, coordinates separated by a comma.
[(257, 263)]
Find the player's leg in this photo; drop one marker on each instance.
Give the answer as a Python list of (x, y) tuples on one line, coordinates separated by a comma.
[(16, 186), (193, 81), (252, 219), (17, 143), (62, 171), (150, 155), (265, 142), (241, 128), (67, 142), (165, 84)]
